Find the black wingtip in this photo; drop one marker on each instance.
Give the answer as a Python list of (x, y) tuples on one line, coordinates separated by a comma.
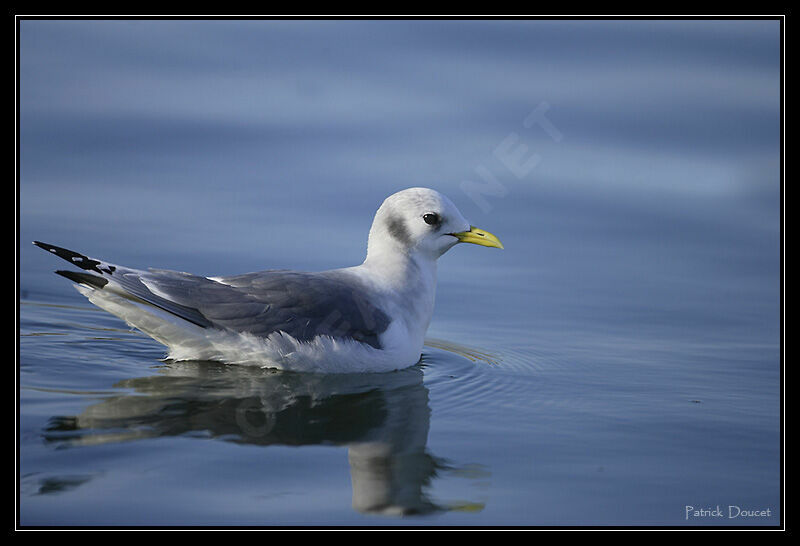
[(57, 250), (84, 278), (75, 258)]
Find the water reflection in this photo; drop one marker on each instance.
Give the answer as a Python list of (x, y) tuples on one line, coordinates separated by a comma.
[(382, 419)]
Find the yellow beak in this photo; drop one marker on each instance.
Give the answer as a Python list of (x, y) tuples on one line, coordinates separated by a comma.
[(479, 237)]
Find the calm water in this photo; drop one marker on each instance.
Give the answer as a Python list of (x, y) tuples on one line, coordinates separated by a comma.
[(616, 364)]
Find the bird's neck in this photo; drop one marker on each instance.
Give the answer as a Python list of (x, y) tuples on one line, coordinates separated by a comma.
[(400, 271), (408, 276)]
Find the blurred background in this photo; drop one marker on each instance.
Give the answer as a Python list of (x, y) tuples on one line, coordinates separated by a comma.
[(617, 160)]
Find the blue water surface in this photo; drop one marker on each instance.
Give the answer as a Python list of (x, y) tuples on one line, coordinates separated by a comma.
[(618, 364)]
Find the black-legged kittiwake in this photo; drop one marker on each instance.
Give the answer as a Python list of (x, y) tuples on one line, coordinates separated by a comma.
[(367, 318)]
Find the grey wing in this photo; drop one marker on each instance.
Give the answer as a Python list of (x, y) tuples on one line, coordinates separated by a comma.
[(304, 305)]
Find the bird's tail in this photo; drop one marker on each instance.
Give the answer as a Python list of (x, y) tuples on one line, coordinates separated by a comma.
[(119, 290), (121, 281)]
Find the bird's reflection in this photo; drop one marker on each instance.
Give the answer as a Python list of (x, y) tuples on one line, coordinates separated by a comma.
[(382, 419)]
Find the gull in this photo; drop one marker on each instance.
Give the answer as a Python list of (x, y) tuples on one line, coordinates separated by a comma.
[(367, 318)]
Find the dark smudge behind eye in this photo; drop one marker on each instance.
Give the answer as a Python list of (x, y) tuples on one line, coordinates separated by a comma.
[(398, 230)]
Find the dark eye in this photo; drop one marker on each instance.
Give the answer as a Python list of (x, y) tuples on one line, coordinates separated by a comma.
[(431, 218)]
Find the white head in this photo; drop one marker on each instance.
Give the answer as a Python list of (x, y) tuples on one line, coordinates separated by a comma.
[(422, 222)]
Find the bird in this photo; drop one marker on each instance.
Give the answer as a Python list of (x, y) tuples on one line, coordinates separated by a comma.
[(371, 317)]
